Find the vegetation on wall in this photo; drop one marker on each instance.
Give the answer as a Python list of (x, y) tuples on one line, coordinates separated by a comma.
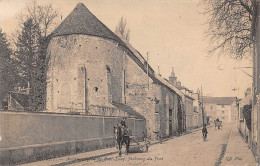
[(247, 109)]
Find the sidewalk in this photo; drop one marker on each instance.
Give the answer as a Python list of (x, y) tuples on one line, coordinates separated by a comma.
[(237, 152)]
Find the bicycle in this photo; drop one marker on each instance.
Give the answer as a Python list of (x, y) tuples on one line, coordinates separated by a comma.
[(205, 136)]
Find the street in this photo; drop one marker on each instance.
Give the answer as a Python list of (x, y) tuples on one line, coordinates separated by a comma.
[(184, 150)]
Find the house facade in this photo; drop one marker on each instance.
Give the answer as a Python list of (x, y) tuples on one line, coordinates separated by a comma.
[(223, 108), (197, 112)]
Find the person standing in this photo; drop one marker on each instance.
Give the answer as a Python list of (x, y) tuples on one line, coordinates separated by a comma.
[(123, 122), (204, 131)]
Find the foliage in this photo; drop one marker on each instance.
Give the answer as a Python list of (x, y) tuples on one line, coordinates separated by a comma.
[(31, 47), (247, 109), (7, 72), (230, 26)]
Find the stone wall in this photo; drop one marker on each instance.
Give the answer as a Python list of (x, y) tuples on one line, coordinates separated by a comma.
[(168, 101), (138, 96), (83, 71), (88, 73), (31, 136), (189, 113), (210, 111)]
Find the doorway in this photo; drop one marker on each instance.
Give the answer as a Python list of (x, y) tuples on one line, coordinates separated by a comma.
[(170, 122)]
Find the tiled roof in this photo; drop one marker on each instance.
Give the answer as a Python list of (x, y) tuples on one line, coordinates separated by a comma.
[(82, 21), (219, 100)]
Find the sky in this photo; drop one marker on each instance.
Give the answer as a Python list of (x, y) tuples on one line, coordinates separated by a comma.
[(172, 31)]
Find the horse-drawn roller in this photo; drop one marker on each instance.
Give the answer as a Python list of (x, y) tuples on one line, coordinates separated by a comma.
[(124, 137), (140, 146)]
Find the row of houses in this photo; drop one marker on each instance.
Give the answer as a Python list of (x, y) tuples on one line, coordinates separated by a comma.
[(93, 71)]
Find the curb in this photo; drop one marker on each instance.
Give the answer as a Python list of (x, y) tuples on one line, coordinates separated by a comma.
[(84, 159)]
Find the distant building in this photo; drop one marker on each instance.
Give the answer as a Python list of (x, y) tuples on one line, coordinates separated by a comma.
[(223, 108), (188, 109), (197, 112)]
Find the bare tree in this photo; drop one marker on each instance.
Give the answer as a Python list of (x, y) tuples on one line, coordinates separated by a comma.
[(122, 29), (230, 27), (45, 16), (36, 23)]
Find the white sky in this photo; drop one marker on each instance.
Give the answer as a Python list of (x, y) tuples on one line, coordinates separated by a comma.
[(170, 30)]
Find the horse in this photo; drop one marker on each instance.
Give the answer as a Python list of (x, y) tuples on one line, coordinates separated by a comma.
[(218, 123), (122, 136)]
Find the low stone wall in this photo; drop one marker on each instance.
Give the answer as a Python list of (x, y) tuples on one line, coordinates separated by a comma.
[(25, 154), (27, 137)]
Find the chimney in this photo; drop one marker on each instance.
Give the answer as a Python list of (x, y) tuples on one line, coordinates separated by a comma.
[(172, 78), (178, 84)]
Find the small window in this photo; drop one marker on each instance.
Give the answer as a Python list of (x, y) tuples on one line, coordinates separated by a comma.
[(223, 118), (223, 106), (95, 89), (223, 112), (211, 107)]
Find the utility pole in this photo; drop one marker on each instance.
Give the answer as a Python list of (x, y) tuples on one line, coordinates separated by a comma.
[(202, 108), (147, 70), (124, 77), (255, 89)]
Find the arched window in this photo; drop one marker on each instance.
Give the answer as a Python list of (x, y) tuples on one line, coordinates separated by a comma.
[(65, 95), (109, 83)]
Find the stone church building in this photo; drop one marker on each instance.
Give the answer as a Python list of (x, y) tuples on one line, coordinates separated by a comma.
[(95, 72)]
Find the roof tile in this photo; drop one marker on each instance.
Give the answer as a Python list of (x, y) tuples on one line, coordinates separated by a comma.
[(82, 21), (219, 100)]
